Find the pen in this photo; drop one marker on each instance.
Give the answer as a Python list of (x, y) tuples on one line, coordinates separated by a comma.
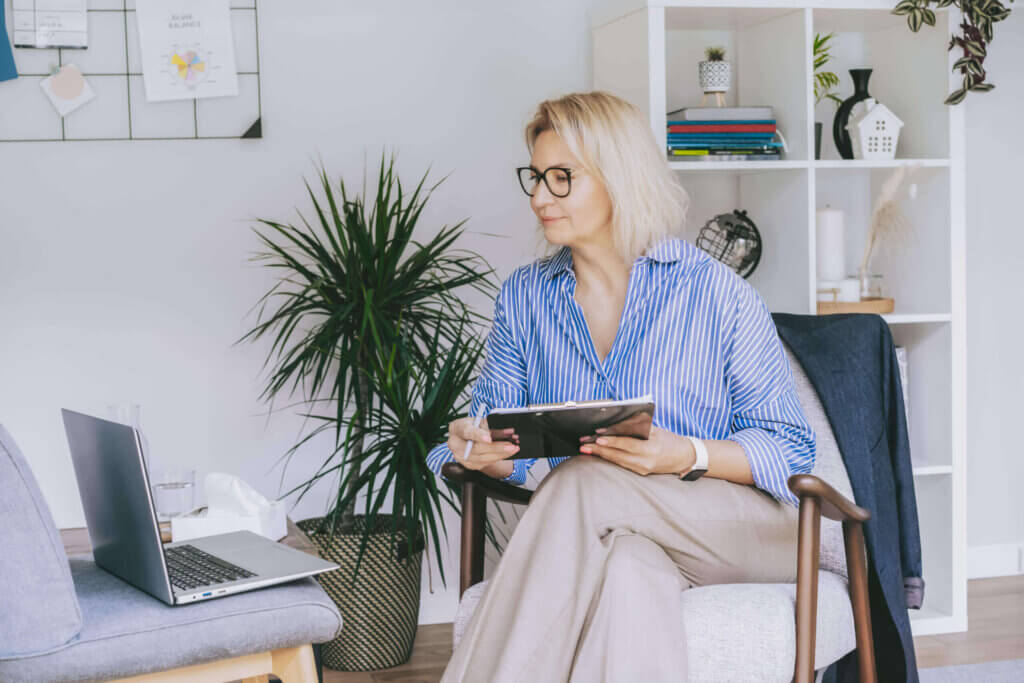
[(476, 423)]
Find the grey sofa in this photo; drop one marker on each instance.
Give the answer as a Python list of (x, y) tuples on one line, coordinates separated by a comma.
[(67, 620), (737, 632)]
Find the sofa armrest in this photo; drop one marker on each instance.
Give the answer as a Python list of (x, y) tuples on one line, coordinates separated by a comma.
[(489, 486)]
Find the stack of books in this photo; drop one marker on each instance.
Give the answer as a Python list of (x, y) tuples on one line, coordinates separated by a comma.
[(723, 134)]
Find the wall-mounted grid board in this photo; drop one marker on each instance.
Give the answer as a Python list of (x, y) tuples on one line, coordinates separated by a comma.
[(112, 65)]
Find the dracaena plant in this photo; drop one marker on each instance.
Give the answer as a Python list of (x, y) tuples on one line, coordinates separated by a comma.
[(975, 35), (371, 329)]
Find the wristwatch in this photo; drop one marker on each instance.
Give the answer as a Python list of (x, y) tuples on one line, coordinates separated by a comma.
[(701, 466)]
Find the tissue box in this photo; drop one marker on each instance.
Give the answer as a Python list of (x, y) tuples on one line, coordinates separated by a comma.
[(272, 523)]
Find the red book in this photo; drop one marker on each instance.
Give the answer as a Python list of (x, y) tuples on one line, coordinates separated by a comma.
[(725, 128)]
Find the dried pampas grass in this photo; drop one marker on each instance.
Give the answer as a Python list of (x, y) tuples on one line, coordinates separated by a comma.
[(888, 224)]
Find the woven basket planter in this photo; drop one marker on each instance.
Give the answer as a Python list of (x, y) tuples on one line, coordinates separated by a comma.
[(381, 611)]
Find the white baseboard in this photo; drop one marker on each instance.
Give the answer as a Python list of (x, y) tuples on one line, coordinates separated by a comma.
[(1000, 559)]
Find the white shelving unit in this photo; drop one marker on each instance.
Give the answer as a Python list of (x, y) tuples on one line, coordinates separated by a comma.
[(647, 52)]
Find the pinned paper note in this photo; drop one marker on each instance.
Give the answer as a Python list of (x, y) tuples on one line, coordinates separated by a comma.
[(67, 89), (187, 49), (50, 23)]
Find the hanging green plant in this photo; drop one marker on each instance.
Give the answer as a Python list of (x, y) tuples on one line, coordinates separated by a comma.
[(976, 34)]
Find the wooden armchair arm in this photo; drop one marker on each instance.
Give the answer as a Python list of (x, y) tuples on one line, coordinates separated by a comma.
[(476, 488), (818, 498), (494, 488)]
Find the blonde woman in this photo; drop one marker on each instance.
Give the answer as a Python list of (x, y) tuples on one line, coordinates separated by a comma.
[(589, 587)]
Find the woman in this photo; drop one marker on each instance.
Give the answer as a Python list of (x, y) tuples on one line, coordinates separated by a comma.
[(589, 587)]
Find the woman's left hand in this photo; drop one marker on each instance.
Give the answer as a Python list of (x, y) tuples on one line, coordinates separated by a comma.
[(663, 452)]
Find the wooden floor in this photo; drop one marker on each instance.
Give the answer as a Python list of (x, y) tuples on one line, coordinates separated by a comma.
[(995, 619)]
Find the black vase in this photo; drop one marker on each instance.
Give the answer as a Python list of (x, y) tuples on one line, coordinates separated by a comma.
[(860, 92)]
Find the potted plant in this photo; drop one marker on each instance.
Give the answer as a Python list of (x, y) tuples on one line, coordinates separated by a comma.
[(371, 329), (824, 81), (715, 73)]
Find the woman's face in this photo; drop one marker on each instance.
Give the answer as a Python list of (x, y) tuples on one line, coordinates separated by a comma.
[(582, 217)]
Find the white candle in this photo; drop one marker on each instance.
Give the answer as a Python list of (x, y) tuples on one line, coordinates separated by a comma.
[(831, 251)]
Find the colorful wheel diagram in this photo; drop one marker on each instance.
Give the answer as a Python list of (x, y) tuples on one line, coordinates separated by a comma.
[(189, 66)]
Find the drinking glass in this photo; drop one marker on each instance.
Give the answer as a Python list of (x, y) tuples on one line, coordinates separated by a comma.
[(174, 491)]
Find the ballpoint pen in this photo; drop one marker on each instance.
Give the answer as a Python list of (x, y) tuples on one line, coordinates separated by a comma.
[(476, 423)]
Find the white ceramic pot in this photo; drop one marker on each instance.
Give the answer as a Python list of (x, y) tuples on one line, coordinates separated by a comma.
[(715, 76)]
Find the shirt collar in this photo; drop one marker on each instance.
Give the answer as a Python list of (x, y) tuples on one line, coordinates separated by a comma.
[(667, 251)]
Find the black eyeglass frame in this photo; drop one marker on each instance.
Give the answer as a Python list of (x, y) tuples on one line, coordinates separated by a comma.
[(544, 176)]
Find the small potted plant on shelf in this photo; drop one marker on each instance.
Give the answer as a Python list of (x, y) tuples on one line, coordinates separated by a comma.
[(715, 74), (824, 81), (371, 328)]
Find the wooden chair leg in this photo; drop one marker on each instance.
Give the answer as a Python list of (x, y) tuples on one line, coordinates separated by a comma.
[(853, 538), (294, 664), (808, 544), (471, 561)]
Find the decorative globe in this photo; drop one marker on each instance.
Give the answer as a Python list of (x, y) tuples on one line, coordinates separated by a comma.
[(733, 239)]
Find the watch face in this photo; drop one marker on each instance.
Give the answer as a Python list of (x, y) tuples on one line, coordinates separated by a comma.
[(693, 475)]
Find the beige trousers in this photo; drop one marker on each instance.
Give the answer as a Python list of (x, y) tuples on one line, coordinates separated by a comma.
[(589, 587)]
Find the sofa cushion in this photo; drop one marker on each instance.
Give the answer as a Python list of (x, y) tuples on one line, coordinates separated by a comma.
[(39, 611), (742, 632), (126, 632)]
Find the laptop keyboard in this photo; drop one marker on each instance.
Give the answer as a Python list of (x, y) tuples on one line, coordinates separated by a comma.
[(189, 567)]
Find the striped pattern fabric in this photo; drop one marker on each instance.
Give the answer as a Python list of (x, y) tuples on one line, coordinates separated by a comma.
[(693, 333)]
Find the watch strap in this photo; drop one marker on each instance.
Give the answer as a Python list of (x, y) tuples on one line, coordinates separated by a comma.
[(700, 466)]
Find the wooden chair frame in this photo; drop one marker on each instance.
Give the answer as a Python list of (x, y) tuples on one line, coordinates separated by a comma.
[(816, 499), (291, 665)]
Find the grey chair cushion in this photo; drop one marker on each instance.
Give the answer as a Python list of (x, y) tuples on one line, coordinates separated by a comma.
[(828, 465), (39, 610), (126, 632), (743, 631)]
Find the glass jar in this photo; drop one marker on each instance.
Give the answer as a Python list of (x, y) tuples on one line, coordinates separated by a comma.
[(872, 286)]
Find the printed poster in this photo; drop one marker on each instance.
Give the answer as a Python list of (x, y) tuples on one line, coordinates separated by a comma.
[(187, 49)]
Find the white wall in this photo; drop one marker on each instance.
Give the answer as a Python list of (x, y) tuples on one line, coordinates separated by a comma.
[(995, 363), (123, 265)]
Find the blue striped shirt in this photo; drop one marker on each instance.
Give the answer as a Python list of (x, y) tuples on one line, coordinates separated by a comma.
[(693, 333)]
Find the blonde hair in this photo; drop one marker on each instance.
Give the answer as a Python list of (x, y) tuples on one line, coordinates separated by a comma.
[(614, 143)]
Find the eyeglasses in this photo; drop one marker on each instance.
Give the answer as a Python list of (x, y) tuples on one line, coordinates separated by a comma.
[(557, 179)]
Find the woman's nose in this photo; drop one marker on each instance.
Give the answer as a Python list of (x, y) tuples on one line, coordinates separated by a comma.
[(541, 196)]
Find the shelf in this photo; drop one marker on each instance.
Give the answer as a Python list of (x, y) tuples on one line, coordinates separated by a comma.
[(780, 165), (879, 163), (929, 470), (925, 622), (911, 318)]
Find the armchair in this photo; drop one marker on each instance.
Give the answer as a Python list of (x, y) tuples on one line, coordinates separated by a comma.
[(832, 614)]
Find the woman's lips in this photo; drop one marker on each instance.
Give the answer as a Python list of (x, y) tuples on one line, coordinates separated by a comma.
[(551, 220)]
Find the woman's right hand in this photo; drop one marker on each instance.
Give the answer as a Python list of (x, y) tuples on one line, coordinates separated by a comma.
[(485, 452)]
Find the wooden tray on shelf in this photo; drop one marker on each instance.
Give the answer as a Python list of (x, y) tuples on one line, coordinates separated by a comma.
[(872, 305)]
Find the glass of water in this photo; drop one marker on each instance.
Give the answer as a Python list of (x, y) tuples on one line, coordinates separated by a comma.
[(174, 492)]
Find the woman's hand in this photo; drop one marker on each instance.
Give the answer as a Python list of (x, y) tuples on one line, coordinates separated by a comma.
[(663, 452), (485, 452)]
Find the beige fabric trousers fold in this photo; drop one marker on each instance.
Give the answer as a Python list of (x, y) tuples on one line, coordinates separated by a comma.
[(589, 587)]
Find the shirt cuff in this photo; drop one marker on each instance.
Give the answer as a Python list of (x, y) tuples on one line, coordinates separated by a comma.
[(518, 475), (768, 463)]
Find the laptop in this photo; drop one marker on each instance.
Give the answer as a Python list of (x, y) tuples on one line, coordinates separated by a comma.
[(111, 470)]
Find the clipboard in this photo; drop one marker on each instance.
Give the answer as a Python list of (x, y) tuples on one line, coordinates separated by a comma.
[(553, 430)]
